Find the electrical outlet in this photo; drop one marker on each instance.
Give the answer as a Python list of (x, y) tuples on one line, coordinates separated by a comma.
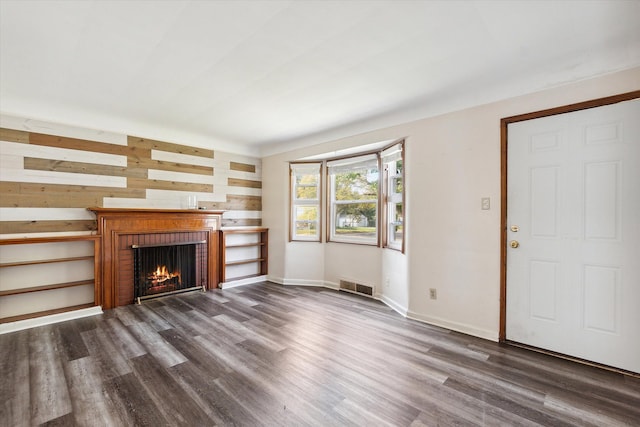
[(433, 294), (386, 282)]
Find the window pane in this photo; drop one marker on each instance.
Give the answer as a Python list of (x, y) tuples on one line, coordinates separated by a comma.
[(356, 220), (306, 193), (306, 228), (360, 185), (307, 179), (398, 216), (397, 185), (306, 221), (306, 186), (397, 233), (308, 213)]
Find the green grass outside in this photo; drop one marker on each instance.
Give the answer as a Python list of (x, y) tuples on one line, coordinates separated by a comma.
[(355, 230), (305, 232)]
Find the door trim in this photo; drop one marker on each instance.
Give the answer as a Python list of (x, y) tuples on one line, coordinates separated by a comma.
[(504, 122)]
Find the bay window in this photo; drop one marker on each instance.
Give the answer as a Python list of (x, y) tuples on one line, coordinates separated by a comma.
[(364, 198)]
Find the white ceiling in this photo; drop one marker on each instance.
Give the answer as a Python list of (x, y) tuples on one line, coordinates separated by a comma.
[(263, 76)]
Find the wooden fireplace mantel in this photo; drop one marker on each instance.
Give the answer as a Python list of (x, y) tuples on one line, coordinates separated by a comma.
[(116, 222)]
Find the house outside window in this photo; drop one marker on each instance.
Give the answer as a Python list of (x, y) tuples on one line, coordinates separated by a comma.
[(353, 199), (305, 201)]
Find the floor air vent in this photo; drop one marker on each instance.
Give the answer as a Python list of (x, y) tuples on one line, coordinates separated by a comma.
[(356, 288)]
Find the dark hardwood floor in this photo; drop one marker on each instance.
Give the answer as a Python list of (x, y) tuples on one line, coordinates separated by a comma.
[(290, 356)]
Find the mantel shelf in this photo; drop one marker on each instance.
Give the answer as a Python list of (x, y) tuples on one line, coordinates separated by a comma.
[(129, 211)]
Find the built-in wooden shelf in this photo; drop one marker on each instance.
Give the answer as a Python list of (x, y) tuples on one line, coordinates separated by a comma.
[(246, 261), (46, 261), (246, 245), (40, 291), (232, 245), (44, 313), (45, 287)]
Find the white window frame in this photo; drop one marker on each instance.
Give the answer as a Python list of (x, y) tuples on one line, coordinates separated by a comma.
[(390, 156), (368, 161), (295, 170)]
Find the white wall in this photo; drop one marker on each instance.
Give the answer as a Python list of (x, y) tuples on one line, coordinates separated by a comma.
[(452, 245), (357, 263)]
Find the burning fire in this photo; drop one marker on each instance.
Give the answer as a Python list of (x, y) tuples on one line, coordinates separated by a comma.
[(162, 275)]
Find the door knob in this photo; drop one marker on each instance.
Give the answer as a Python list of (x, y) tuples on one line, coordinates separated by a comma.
[(514, 244)]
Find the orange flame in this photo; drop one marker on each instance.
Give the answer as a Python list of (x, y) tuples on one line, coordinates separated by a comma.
[(162, 275)]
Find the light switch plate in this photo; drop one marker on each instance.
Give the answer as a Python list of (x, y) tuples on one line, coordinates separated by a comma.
[(486, 203)]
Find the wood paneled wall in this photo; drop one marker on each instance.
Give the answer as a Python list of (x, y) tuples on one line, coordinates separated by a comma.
[(50, 174)]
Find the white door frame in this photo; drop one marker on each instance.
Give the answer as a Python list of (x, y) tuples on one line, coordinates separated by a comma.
[(504, 181)]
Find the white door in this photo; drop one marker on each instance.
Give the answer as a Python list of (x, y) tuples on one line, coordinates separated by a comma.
[(573, 192)]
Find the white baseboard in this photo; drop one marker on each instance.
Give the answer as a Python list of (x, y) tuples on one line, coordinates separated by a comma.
[(19, 325), (336, 287), (331, 285), (402, 311), (242, 282), (455, 326), (277, 280), (302, 282)]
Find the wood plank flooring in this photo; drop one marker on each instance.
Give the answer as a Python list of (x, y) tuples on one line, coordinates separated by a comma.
[(268, 355)]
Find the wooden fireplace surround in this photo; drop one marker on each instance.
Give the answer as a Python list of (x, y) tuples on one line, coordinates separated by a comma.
[(115, 223)]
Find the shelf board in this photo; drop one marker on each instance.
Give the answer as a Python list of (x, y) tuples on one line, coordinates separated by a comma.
[(245, 261), (46, 261), (45, 313), (46, 287), (54, 239), (245, 245), (245, 230)]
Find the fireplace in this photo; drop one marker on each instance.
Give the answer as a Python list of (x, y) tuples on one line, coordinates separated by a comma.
[(127, 231), (167, 269)]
